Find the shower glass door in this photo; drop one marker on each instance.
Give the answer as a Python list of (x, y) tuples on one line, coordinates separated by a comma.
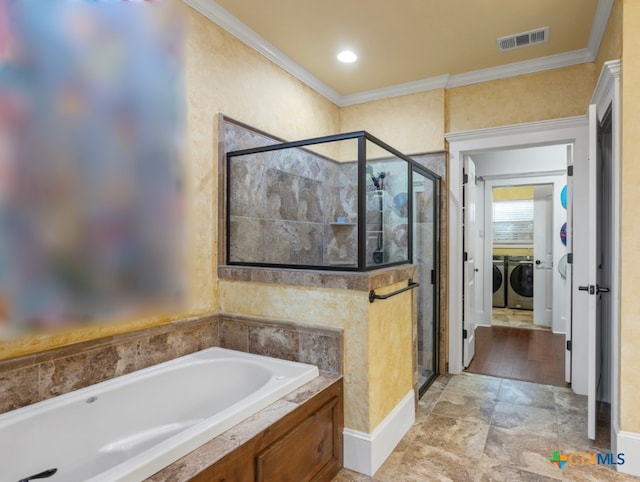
[(425, 256)]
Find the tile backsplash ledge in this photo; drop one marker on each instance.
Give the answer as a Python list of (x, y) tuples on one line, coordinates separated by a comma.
[(33, 378)]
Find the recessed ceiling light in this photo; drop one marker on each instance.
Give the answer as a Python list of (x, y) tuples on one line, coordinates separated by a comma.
[(347, 57)]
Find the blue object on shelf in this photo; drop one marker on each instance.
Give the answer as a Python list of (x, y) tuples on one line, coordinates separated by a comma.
[(401, 204), (563, 197)]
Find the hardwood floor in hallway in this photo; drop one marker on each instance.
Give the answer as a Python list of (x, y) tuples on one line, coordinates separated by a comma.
[(529, 355)]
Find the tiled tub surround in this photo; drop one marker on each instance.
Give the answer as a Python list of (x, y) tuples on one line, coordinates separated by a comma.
[(285, 340), (30, 379), (145, 420)]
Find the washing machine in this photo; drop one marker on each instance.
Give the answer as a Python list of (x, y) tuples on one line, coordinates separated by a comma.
[(520, 282), (499, 282)]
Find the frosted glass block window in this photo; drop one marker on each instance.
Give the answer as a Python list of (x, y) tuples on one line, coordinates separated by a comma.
[(513, 221)]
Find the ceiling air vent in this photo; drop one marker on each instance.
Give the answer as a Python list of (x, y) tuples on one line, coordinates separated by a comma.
[(523, 39)]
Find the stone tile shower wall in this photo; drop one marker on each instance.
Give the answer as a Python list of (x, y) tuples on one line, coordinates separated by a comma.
[(284, 204)]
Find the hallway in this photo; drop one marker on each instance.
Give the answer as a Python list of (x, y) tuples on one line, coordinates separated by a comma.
[(523, 354), (478, 428)]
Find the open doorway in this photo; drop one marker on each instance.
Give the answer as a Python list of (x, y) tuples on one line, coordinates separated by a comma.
[(580, 326), (522, 256), (519, 288)]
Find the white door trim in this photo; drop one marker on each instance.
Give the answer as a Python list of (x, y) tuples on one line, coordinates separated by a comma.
[(557, 179), (561, 131), (607, 93)]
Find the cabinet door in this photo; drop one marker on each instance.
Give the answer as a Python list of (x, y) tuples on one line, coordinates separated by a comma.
[(301, 455)]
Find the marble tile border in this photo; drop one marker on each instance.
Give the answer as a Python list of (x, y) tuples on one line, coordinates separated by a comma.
[(357, 281), (318, 345), (33, 378)]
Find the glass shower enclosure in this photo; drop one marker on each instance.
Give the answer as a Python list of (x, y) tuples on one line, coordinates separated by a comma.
[(347, 202), (426, 195)]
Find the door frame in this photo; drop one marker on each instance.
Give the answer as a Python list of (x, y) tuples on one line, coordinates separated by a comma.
[(555, 179), (435, 282), (606, 95), (570, 130)]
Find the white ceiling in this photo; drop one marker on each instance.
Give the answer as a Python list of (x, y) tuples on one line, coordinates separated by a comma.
[(409, 45)]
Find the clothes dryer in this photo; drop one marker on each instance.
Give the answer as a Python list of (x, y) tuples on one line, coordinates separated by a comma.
[(520, 282), (499, 282)]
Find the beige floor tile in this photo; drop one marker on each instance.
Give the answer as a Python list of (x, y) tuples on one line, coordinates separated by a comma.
[(483, 429), (525, 393), (530, 453), (595, 473), (524, 420), (453, 404), (425, 463), (472, 385), (567, 400), (463, 437), (346, 475), (507, 473)]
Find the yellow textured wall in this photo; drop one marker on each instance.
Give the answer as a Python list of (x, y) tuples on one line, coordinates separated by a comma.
[(611, 45), (411, 123), (390, 352), (512, 192), (378, 364), (545, 95), (630, 175), (222, 75), (316, 306)]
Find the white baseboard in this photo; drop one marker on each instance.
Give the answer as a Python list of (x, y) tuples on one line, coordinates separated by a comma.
[(628, 443), (364, 452)]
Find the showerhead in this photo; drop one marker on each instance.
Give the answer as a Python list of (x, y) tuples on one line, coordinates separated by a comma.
[(375, 179)]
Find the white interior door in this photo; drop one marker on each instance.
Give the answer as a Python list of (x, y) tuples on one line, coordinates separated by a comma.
[(569, 271), (469, 257), (543, 255), (587, 288)]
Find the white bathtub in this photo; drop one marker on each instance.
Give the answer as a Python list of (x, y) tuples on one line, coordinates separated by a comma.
[(128, 428)]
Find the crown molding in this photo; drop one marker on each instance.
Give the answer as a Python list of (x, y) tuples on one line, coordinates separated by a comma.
[(228, 22), (608, 83), (432, 83), (231, 24), (600, 20), (517, 129), (521, 68)]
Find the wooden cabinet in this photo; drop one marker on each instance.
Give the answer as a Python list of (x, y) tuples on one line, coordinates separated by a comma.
[(305, 445)]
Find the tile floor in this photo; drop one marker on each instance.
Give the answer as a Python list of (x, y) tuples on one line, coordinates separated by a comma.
[(515, 318), (478, 428)]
